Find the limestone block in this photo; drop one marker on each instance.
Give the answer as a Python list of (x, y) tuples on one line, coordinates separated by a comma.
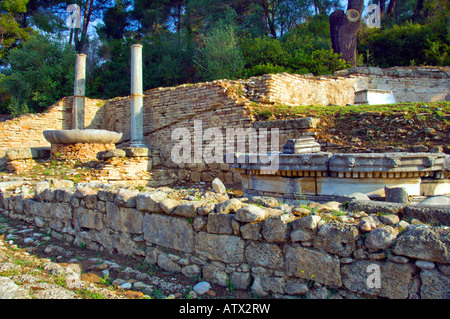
[(424, 242), (126, 198), (264, 255), (395, 278), (62, 211), (220, 224), (435, 285), (251, 231), (276, 229), (150, 201), (251, 214), (215, 274), (337, 238), (368, 186), (381, 238), (86, 218), (187, 209), (169, 231), (36, 208), (311, 264), (225, 248), (229, 206), (124, 219)]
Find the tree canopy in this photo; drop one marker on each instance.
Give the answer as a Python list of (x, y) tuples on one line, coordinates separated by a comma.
[(186, 41)]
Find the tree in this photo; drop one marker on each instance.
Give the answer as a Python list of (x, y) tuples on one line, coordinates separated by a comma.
[(344, 29), (221, 57), (115, 21), (11, 31), (40, 73)]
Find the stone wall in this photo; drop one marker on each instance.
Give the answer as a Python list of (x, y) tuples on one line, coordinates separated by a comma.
[(407, 84), (233, 243), (26, 130)]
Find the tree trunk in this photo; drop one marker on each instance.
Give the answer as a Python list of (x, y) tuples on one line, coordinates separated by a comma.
[(390, 8), (344, 31)]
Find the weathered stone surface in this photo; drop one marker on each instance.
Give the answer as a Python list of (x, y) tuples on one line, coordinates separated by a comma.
[(425, 242), (251, 231), (188, 209), (124, 219), (374, 207), (166, 263), (82, 192), (276, 229), (218, 186), (264, 255), (168, 205), (126, 198), (37, 208), (215, 274), (107, 195), (226, 248), (305, 228), (229, 206), (435, 285), (206, 209), (169, 231), (220, 224), (337, 238), (62, 211), (265, 201), (396, 195), (395, 278), (296, 287), (251, 214), (115, 152), (381, 238), (436, 200), (86, 218), (241, 280), (150, 201), (434, 215), (310, 264)]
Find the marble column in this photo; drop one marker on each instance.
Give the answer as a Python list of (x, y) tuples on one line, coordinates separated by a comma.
[(137, 134), (79, 92)]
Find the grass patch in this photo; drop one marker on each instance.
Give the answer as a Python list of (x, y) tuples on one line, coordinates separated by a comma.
[(273, 112)]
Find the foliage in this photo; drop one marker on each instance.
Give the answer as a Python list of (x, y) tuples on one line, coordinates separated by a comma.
[(306, 49), (221, 57), (11, 32), (40, 73), (406, 44)]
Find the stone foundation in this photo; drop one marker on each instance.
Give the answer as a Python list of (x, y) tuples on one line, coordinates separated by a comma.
[(271, 252), (79, 151)]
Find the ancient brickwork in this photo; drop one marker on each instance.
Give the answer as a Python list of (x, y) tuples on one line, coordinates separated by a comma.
[(407, 85), (224, 104)]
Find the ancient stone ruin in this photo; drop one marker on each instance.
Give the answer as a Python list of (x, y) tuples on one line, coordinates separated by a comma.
[(322, 223)]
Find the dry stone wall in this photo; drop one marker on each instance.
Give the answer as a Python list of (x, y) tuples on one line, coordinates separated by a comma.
[(260, 247)]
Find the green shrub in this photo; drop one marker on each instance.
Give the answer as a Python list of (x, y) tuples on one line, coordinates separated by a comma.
[(40, 73), (404, 45)]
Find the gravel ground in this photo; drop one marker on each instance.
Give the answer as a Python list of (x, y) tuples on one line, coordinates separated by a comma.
[(33, 265)]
